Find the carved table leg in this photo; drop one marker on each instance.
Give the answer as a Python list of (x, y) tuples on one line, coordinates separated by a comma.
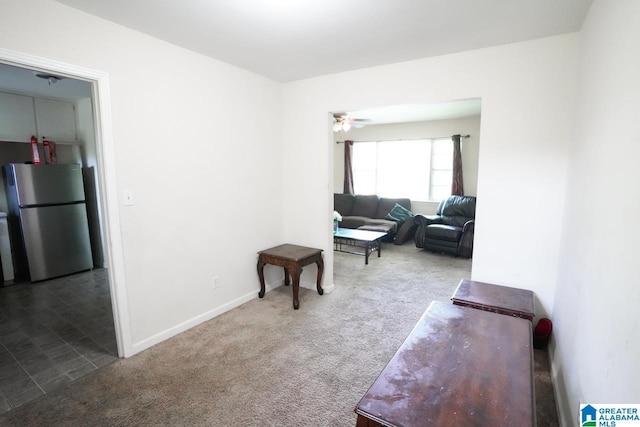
[(295, 271), (320, 264), (261, 265), (286, 277)]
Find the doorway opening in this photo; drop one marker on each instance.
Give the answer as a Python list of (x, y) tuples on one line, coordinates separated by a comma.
[(404, 152), (65, 326)]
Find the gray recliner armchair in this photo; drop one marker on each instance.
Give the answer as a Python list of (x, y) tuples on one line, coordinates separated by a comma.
[(451, 229)]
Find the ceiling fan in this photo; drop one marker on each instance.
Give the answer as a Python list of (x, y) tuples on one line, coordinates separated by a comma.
[(343, 122)]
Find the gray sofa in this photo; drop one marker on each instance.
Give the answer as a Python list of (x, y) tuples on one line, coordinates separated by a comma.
[(370, 212)]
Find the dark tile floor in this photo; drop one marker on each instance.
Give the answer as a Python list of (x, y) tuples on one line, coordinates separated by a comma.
[(53, 332)]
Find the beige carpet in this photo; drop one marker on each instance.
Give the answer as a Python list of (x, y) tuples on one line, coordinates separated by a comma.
[(264, 364)]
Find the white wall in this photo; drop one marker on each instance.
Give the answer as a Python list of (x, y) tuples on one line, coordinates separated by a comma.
[(527, 94), (596, 346), (221, 128), (417, 130), (197, 141)]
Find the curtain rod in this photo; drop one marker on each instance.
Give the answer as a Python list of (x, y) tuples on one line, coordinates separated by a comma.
[(410, 139)]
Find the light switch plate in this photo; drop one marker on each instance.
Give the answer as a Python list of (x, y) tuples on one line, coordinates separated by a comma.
[(128, 198)]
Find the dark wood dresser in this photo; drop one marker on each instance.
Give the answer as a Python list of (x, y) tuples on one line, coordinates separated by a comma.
[(498, 299), (458, 367)]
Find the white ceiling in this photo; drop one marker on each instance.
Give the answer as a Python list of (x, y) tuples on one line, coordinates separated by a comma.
[(288, 40)]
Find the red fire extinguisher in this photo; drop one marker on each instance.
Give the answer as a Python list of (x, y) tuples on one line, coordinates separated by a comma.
[(35, 153), (49, 151)]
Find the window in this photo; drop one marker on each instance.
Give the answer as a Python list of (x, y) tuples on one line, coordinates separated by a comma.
[(418, 169)]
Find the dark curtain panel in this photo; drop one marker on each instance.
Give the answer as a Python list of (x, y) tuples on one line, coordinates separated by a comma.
[(348, 168), (457, 187)]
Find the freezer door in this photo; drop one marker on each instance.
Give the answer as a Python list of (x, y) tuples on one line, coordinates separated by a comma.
[(56, 240), (46, 184)]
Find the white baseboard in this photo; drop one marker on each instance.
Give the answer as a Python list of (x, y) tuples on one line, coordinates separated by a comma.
[(208, 315), (561, 404), (312, 285), (195, 321), (329, 288)]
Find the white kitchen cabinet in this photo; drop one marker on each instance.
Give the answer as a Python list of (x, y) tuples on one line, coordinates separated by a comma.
[(17, 117), (22, 116), (56, 120)]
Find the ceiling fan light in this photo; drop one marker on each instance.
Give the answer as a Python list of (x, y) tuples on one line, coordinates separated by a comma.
[(346, 126), (48, 77)]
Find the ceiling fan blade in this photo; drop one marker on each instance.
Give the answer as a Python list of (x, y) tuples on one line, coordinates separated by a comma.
[(344, 119)]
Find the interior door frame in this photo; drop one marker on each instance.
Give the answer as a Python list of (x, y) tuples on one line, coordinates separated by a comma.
[(106, 173)]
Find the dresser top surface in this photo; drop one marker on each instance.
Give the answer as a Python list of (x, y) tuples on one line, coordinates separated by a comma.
[(459, 366)]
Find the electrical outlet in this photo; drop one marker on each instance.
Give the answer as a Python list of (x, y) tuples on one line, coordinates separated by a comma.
[(214, 282)]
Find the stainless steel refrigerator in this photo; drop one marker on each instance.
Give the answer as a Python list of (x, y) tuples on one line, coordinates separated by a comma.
[(47, 220)]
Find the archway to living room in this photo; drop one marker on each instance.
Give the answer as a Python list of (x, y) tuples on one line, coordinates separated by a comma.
[(405, 152)]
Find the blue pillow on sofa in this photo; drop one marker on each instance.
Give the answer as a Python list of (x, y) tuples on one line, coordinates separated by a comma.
[(399, 214)]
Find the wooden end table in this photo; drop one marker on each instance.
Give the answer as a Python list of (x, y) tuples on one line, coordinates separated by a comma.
[(292, 258), (495, 298)]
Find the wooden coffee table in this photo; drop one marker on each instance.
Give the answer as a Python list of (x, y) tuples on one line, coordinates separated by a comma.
[(292, 258), (359, 242)]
